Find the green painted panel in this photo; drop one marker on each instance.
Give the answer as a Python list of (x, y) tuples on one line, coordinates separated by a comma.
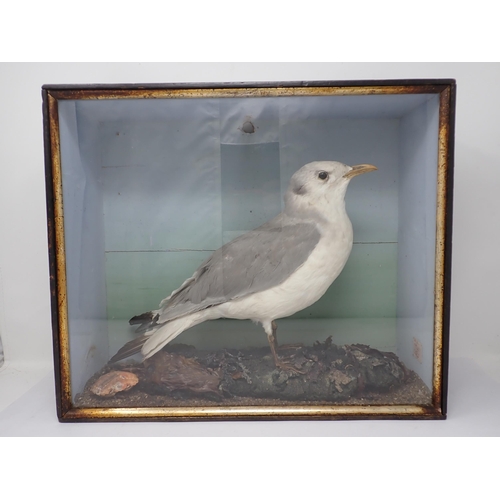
[(250, 185), (137, 281)]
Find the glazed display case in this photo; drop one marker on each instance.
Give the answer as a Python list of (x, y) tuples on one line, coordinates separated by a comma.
[(145, 182)]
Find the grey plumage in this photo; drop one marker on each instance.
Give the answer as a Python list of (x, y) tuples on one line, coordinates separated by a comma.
[(253, 262)]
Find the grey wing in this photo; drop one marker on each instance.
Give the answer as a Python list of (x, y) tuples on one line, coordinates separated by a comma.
[(258, 260)]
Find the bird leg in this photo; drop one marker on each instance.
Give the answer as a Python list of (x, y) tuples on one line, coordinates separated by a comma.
[(273, 343)]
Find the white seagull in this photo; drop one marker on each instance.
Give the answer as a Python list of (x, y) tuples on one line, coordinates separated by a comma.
[(271, 272)]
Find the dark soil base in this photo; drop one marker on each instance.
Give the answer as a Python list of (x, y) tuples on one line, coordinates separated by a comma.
[(324, 374)]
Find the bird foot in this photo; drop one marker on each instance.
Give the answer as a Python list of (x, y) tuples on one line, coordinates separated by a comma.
[(287, 365)]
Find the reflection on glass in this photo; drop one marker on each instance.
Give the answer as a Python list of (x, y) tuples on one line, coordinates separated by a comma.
[(1, 352)]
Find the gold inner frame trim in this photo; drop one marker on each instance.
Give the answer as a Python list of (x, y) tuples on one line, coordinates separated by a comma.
[(60, 253), (69, 412), (255, 412), (186, 93), (442, 174)]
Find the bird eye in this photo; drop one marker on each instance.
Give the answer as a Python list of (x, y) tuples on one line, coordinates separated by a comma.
[(323, 175)]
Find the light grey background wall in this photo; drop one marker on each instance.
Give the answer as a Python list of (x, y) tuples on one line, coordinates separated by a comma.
[(150, 186), (475, 331)]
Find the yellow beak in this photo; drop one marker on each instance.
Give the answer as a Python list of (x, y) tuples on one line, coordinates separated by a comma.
[(360, 169)]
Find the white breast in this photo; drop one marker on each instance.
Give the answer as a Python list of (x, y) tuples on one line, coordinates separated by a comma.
[(304, 287)]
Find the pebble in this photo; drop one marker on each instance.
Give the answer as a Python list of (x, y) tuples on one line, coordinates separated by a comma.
[(113, 382)]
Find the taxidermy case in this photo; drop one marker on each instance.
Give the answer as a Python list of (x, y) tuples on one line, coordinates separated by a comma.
[(145, 182)]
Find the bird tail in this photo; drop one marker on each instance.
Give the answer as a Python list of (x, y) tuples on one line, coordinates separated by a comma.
[(151, 342), (168, 332)]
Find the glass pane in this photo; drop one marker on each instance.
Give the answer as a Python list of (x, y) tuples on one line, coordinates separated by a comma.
[(1, 352), (153, 187)]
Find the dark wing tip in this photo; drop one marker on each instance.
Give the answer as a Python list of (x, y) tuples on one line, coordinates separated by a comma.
[(141, 318), (146, 321), (129, 349)]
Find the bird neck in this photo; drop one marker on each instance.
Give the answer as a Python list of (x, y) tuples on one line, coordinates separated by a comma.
[(323, 210)]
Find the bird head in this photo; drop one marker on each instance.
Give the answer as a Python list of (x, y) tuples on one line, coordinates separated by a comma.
[(321, 185)]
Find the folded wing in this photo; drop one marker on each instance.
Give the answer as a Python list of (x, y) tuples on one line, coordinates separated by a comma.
[(256, 261)]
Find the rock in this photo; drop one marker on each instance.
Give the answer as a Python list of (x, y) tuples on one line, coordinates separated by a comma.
[(176, 372), (113, 382)]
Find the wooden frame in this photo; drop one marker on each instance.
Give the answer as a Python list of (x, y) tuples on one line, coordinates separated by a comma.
[(54, 94)]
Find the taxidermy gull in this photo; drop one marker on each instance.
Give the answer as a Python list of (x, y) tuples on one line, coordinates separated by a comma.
[(271, 272)]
